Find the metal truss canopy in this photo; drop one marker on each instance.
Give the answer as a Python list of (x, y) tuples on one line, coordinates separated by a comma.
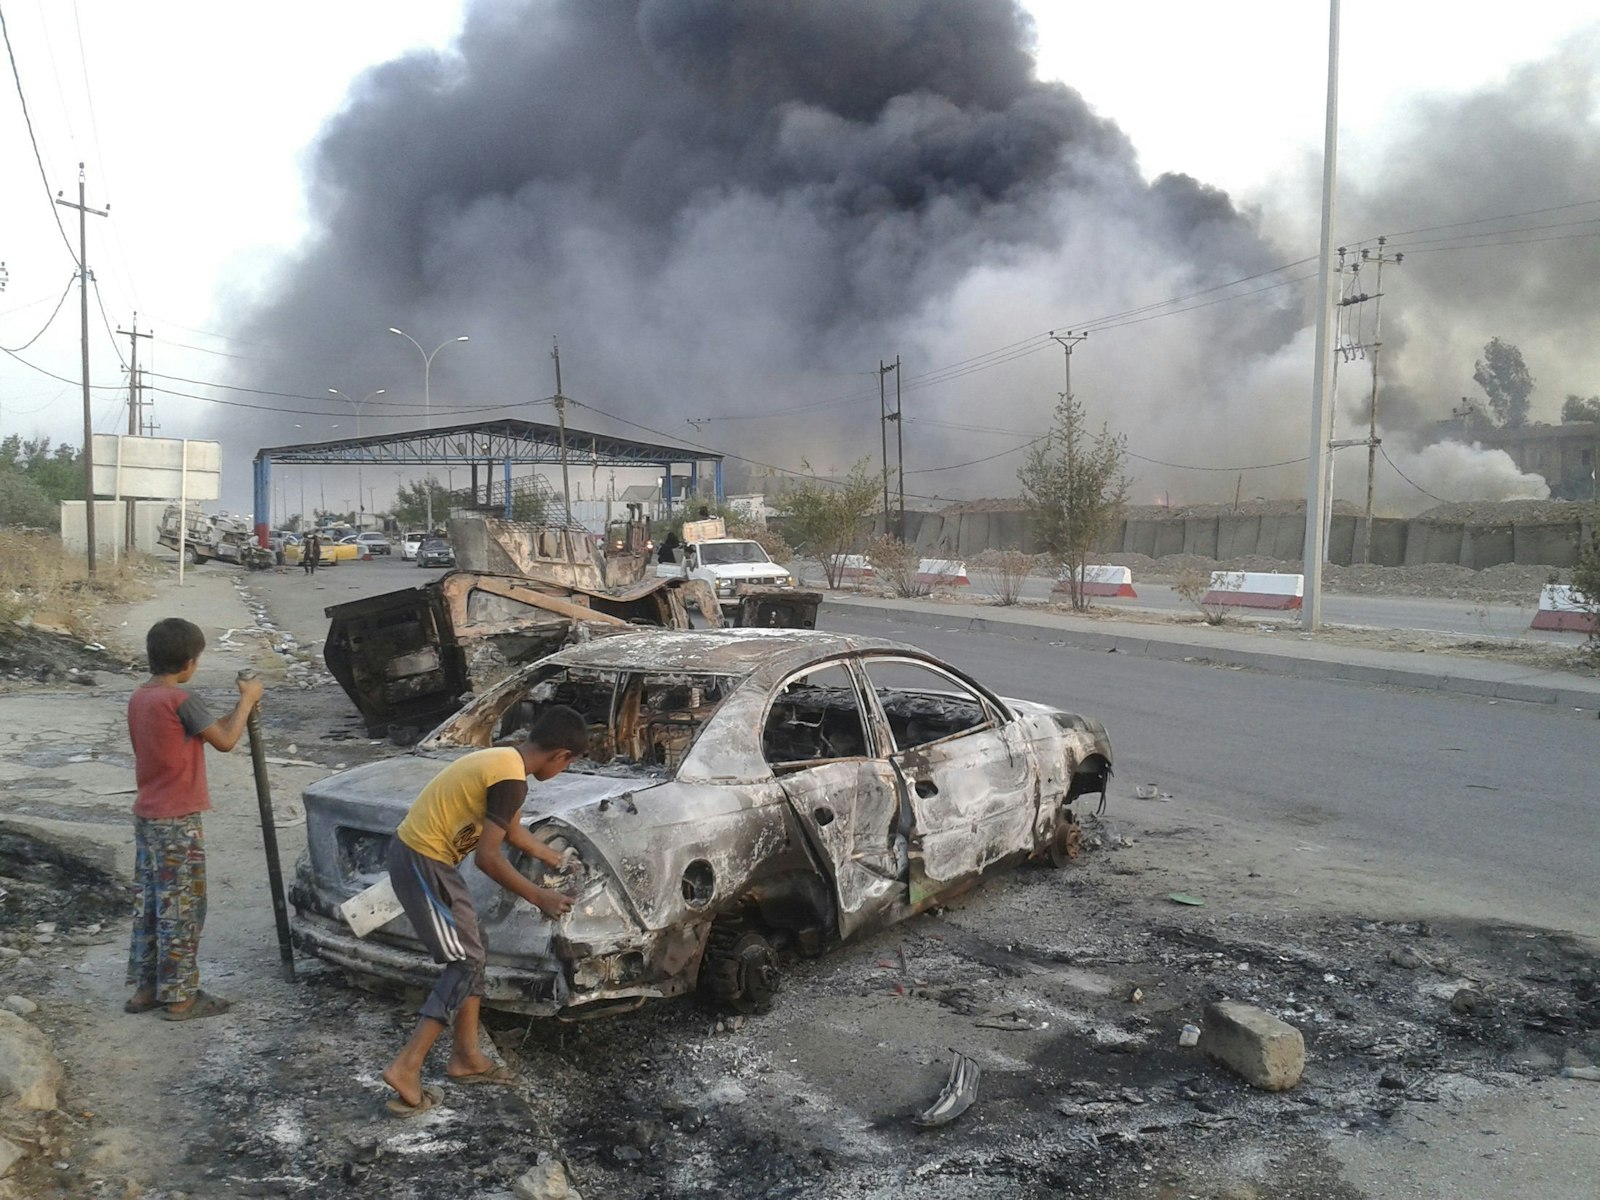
[(505, 442), (514, 441)]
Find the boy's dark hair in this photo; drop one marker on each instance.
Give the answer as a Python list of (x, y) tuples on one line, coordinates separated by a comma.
[(560, 728), (171, 643)]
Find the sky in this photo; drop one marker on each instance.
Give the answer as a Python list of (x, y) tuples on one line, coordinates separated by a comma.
[(195, 121)]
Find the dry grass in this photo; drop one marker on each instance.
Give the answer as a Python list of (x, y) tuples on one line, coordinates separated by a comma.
[(897, 564), (42, 584), (1001, 577)]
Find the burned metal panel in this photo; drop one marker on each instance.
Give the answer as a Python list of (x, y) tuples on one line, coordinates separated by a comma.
[(396, 658), (777, 608), (851, 810)]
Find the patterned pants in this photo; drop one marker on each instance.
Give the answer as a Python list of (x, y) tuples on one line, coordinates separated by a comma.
[(169, 876)]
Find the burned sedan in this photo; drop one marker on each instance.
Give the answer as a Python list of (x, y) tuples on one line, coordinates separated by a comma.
[(748, 792)]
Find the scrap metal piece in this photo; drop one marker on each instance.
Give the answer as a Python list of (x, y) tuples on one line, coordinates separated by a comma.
[(960, 1091)]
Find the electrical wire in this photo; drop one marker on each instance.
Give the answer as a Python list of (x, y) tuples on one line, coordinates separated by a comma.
[(1408, 478), (94, 387), (44, 176), (106, 321), (49, 321)]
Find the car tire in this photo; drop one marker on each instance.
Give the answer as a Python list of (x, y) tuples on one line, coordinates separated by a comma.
[(740, 971)]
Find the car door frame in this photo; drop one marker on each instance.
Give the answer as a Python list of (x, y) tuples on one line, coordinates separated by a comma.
[(953, 836), (865, 893)]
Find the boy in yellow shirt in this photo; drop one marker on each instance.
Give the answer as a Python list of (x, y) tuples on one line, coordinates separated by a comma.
[(470, 807)]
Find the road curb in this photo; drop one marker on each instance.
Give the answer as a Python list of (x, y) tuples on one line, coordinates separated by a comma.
[(1279, 664)]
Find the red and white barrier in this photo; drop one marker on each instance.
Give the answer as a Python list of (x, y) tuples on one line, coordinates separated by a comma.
[(854, 566), (947, 571), (1102, 581), (1564, 608), (1255, 589)]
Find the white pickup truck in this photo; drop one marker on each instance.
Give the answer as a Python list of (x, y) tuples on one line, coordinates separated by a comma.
[(725, 564)]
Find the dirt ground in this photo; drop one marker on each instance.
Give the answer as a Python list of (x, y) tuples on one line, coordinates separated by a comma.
[(1434, 1037)]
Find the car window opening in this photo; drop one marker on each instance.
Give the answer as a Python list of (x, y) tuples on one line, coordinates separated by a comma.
[(815, 718), (923, 705), (639, 722)]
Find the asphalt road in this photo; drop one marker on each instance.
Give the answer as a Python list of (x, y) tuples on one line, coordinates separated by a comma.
[(1497, 802)]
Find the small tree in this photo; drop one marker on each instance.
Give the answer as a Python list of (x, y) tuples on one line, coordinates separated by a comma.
[(898, 565), (1075, 489), (1578, 409), (411, 503), (1505, 379), (828, 519)]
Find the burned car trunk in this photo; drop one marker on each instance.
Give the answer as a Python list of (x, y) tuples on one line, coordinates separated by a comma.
[(745, 792), (406, 658)]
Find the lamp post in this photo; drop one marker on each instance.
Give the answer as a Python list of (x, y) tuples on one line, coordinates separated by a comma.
[(357, 406), (427, 397)]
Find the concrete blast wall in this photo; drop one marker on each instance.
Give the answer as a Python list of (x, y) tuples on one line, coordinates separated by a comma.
[(110, 526), (1395, 541)]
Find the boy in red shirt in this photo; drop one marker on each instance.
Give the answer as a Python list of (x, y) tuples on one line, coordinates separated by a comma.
[(170, 730)]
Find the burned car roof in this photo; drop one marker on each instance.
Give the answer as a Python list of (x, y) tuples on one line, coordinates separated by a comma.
[(736, 652)]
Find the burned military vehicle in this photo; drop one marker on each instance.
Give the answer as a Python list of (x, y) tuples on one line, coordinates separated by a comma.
[(406, 658), (746, 792)]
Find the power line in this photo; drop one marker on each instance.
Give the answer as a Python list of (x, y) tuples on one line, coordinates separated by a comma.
[(101, 304), (1410, 480), (44, 176), (65, 292)]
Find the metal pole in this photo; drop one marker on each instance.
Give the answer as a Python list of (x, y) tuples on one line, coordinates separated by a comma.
[(269, 834), (899, 454), (1311, 606), (883, 430), (1372, 414), (561, 418)]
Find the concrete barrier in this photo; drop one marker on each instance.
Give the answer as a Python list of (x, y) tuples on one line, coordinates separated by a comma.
[(948, 571), (1255, 589), (854, 566), (1102, 581), (1564, 608)]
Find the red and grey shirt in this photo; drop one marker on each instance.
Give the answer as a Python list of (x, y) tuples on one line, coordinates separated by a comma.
[(164, 724)]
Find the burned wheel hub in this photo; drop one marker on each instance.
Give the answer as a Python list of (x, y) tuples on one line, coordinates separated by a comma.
[(1066, 839), (740, 971)]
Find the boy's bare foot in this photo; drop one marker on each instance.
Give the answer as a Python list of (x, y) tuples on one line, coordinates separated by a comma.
[(407, 1084), (463, 1064), (142, 1001), (201, 1004)]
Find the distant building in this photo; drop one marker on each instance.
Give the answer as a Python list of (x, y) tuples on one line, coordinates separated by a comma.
[(1567, 456)]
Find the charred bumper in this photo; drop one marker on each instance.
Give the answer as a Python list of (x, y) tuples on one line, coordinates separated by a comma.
[(537, 989)]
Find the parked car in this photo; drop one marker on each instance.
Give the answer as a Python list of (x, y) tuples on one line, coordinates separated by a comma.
[(346, 548), (410, 543), (436, 552), (374, 542), (747, 792)]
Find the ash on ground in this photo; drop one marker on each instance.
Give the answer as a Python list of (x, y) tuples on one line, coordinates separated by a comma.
[(1084, 1091)]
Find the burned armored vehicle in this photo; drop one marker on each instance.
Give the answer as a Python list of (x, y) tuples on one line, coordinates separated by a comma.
[(407, 657), (747, 792)]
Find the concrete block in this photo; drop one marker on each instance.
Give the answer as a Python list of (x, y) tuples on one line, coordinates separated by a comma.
[(1263, 1051), (1433, 541), (1200, 536), (1487, 546), (1546, 545), (1140, 538), (1237, 536), (1342, 534), (29, 1072), (1389, 541), (1169, 538)]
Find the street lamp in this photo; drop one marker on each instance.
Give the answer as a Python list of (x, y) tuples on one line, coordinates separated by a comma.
[(427, 397), (357, 406)]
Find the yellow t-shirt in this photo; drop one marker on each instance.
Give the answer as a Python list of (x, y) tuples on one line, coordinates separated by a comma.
[(446, 821)]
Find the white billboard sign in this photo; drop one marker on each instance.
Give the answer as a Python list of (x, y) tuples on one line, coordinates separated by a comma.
[(155, 468)]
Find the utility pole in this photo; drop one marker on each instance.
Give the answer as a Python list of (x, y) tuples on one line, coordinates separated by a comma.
[(83, 319), (135, 414), (1372, 411), (1311, 610), (883, 437), (561, 421), (1067, 340), (899, 454)]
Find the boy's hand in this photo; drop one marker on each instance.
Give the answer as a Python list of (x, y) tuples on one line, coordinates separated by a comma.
[(569, 861), (553, 904), (250, 692)]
